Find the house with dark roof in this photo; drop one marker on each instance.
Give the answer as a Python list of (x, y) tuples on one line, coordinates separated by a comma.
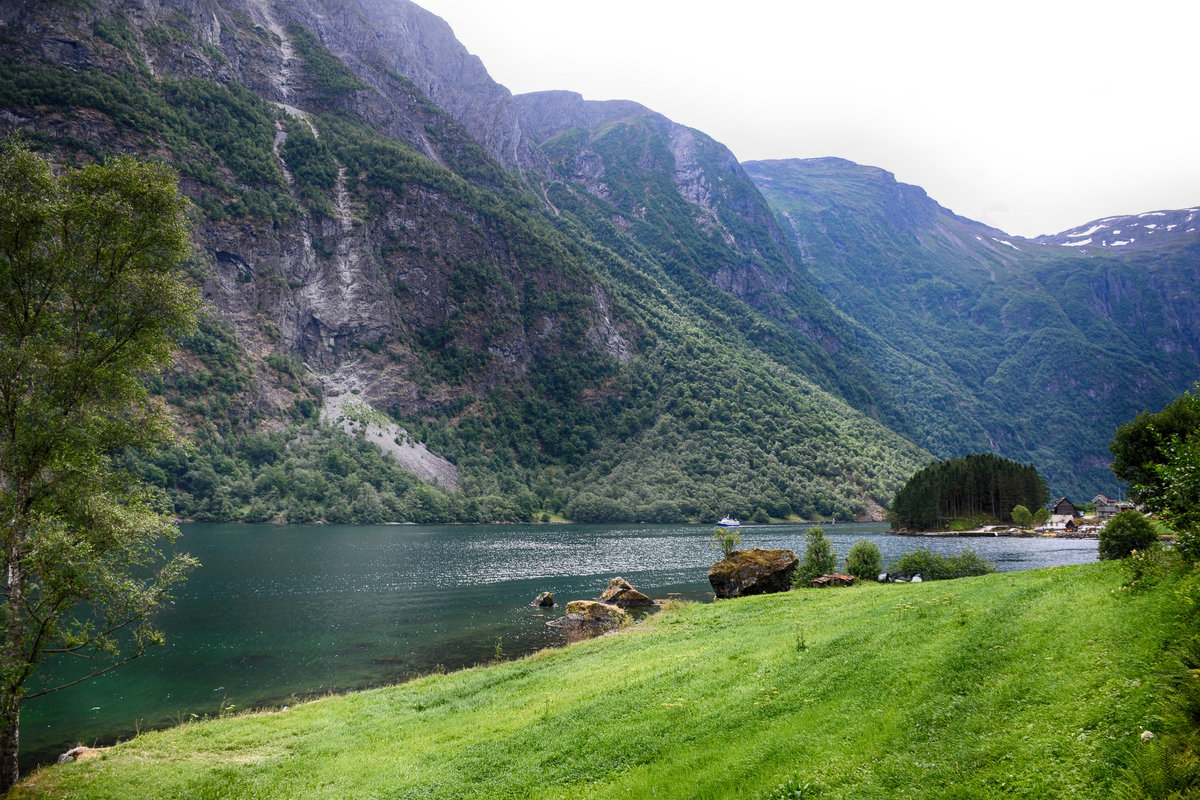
[(1064, 507)]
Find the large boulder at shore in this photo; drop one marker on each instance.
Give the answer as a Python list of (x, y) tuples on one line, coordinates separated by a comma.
[(620, 593), (591, 616), (757, 571)]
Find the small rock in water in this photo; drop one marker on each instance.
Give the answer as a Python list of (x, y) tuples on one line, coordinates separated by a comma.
[(621, 594), (544, 600)]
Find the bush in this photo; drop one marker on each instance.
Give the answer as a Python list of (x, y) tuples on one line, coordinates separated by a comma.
[(1150, 566), (819, 558), (864, 560), (1125, 533), (937, 567)]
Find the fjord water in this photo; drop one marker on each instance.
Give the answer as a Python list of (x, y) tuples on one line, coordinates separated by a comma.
[(276, 613)]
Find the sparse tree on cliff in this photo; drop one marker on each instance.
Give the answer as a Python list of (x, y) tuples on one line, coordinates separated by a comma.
[(90, 300)]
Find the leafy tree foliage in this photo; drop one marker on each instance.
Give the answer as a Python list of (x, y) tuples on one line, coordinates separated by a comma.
[(1140, 447), (90, 300), (819, 558), (1022, 517), (727, 540), (864, 560), (1159, 455), (983, 485), (1124, 533)]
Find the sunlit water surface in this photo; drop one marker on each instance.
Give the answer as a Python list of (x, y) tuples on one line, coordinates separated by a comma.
[(276, 613)]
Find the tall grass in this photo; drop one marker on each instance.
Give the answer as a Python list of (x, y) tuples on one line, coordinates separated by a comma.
[(1032, 684)]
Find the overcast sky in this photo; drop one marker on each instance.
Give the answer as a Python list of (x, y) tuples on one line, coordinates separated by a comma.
[(1031, 115)]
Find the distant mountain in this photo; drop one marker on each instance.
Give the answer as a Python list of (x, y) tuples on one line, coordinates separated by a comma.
[(551, 305), (1030, 348), (1151, 230)]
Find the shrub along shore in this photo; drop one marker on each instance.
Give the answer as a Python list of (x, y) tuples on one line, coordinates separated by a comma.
[(1024, 684)]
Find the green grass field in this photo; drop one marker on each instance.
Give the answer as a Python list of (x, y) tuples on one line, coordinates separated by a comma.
[(1031, 684)]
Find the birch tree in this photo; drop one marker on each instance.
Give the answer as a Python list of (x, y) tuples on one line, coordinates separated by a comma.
[(91, 298)]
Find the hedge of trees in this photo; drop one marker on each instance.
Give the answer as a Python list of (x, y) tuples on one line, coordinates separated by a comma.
[(973, 487)]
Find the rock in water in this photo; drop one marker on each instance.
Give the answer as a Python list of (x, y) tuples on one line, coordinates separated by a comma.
[(621, 594), (544, 600), (757, 571)]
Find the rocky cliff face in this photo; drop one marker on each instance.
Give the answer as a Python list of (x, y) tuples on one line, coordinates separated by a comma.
[(353, 270), (643, 164)]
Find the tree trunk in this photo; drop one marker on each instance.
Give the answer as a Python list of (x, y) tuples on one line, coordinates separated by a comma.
[(10, 740), (13, 663)]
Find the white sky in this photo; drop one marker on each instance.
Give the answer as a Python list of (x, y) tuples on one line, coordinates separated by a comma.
[(1031, 115)]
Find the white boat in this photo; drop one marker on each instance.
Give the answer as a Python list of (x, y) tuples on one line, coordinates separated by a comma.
[(729, 522)]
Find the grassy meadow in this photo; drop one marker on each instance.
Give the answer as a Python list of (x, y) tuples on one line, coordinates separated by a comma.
[(1026, 684)]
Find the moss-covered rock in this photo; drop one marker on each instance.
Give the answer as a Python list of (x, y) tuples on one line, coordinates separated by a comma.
[(756, 571), (587, 618)]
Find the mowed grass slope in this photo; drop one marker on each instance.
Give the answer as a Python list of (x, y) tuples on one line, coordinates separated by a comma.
[(1028, 684)]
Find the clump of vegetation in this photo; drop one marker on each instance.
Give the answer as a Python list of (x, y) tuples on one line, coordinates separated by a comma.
[(1158, 455), (1125, 533), (937, 567), (819, 558), (1150, 566), (1022, 517), (727, 540), (864, 560)]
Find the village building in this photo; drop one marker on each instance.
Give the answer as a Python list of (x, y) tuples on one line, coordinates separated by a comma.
[(1064, 507), (1061, 522), (1106, 508)]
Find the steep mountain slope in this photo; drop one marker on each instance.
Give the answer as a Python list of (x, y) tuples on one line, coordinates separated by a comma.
[(654, 190), (364, 230), (1046, 348)]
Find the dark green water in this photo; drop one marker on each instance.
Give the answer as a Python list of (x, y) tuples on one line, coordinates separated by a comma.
[(276, 613)]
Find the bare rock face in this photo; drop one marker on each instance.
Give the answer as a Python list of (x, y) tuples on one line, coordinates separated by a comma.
[(757, 571), (621, 593)]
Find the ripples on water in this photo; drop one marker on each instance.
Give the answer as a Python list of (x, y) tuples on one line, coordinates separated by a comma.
[(275, 612)]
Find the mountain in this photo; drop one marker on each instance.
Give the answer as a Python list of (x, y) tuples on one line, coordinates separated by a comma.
[(534, 304), (538, 304), (1151, 230), (1035, 349)]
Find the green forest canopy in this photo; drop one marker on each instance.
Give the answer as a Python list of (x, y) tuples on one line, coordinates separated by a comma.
[(975, 486)]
